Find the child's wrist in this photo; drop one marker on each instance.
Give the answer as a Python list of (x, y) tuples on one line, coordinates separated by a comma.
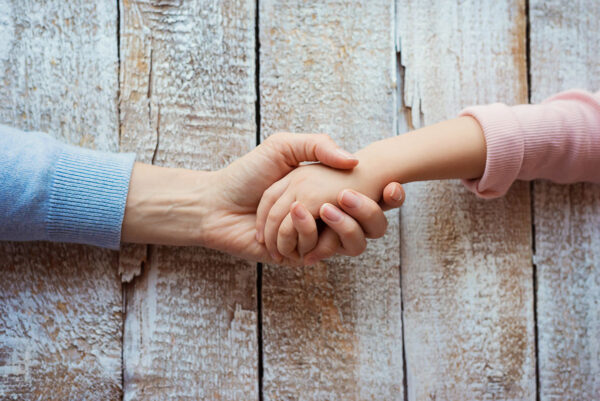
[(380, 164), (375, 170)]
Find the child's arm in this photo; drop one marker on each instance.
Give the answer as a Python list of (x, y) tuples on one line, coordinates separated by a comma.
[(558, 140), (452, 149)]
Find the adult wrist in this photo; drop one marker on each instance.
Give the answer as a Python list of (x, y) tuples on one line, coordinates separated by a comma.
[(168, 206)]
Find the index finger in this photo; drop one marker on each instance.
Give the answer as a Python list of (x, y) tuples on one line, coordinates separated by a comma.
[(365, 211)]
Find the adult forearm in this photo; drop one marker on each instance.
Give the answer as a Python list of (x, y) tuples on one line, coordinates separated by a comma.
[(167, 206), (450, 149)]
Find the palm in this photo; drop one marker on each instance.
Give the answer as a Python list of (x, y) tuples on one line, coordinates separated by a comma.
[(247, 178)]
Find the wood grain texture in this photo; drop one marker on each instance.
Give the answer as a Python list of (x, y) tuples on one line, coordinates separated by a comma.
[(564, 54), (332, 332), (466, 263), (60, 323), (60, 305), (188, 100)]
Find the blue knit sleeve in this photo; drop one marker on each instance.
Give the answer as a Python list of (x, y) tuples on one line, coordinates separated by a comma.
[(56, 192)]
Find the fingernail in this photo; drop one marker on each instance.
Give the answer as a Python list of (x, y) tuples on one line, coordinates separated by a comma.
[(299, 211), (350, 199), (259, 237), (396, 194), (346, 154), (331, 213)]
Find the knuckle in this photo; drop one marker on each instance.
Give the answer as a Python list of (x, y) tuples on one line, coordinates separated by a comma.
[(362, 247), (379, 230), (286, 231), (269, 195), (347, 230), (271, 220), (354, 252), (327, 250), (301, 228), (358, 249), (372, 213), (309, 198), (307, 231), (277, 140), (286, 251), (384, 227), (277, 136), (325, 137)]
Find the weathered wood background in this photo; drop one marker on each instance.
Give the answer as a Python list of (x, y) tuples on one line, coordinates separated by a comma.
[(462, 299)]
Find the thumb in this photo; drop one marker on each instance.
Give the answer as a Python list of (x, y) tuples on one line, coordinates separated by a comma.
[(312, 147)]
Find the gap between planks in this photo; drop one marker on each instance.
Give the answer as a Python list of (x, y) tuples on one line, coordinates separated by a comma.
[(532, 211), (259, 266)]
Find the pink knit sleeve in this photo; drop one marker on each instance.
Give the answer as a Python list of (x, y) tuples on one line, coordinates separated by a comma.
[(558, 140)]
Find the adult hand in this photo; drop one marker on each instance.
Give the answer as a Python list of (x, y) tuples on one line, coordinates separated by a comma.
[(346, 233), (245, 180), (218, 209)]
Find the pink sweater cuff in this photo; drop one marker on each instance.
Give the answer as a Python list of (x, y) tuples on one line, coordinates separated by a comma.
[(504, 149), (557, 140)]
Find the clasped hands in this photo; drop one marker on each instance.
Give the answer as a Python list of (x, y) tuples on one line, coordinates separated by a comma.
[(265, 206)]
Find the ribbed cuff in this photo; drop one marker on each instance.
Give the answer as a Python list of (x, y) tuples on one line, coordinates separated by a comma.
[(504, 149), (87, 197), (562, 138)]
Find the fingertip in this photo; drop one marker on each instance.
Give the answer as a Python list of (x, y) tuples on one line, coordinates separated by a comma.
[(330, 213), (396, 193), (349, 199), (306, 228), (298, 211), (336, 157), (346, 155), (402, 195), (347, 159), (393, 195), (287, 238)]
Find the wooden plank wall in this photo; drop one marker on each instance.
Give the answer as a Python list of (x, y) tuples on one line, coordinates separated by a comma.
[(564, 55), (188, 100), (332, 331), (60, 305), (177, 83), (467, 280)]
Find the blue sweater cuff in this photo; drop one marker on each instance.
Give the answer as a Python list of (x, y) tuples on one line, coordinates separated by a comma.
[(87, 197)]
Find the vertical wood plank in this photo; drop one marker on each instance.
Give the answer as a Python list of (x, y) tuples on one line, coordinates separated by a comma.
[(60, 305), (188, 100), (564, 55), (466, 263), (332, 331)]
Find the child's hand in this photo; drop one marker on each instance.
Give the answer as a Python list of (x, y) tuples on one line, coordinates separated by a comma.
[(312, 189)]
